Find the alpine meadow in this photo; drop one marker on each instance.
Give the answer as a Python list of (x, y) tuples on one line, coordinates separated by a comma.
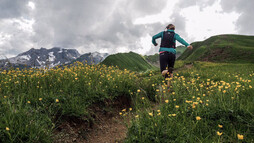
[(208, 101), (126, 71)]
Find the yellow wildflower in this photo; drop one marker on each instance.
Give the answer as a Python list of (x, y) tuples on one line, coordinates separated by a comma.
[(28, 102), (143, 98), (40, 99), (173, 115), (220, 126), (166, 101), (120, 113), (219, 133), (57, 100), (124, 110), (198, 118), (150, 114), (138, 90), (177, 106), (130, 109), (240, 137), (137, 116), (174, 99), (7, 128), (195, 103), (158, 110)]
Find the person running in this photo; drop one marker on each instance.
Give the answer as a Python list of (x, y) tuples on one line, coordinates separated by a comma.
[(168, 49)]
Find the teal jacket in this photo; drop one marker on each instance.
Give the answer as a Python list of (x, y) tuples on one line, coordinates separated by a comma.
[(176, 37)]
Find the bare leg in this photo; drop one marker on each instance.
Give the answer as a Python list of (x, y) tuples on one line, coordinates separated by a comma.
[(164, 72), (171, 78)]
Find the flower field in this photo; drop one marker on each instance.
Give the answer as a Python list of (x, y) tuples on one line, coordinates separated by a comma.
[(207, 103), (33, 100)]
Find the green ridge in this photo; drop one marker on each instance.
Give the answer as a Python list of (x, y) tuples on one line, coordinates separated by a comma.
[(131, 61), (222, 48)]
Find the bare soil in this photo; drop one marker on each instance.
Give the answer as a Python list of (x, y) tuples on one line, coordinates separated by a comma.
[(107, 125)]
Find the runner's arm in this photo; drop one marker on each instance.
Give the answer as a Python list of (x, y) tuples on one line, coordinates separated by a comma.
[(181, 40), (156, 37)]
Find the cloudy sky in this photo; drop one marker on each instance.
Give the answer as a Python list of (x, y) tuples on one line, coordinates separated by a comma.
[(116, 25)]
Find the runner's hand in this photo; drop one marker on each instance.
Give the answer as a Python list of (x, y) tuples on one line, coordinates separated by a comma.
[(155, 44), (190, 47)]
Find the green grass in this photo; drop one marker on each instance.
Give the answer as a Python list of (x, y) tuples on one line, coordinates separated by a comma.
[(34, 101), (152, 58), (155, 58), (222, 48), (131, 61), (220, 94)]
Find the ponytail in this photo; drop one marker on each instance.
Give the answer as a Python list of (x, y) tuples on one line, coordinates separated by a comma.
[(171, 27)]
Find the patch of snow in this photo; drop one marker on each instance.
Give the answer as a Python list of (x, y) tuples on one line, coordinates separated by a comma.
[(25, 57), (51, 65), (40, 63), (51, 56), (60, 51), (95, 54), (58, 63)]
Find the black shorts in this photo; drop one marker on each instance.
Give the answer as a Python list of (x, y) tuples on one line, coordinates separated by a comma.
[(167, 61)]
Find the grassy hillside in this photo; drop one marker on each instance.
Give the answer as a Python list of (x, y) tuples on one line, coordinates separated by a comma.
[(222, 48), (131, 61), (154, 59), (210, 102), (180, 50)]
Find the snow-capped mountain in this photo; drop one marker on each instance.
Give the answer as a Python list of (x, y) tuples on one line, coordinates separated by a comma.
[(92, 58), (43, 57)]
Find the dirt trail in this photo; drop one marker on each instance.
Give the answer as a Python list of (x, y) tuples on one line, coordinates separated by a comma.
[(108, 130), (108, 126)]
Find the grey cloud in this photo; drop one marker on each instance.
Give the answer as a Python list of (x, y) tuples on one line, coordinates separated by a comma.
[(13, 8), (82, 24), (245, 22), (201, 3), (107, 24), (15, 39), (145, 7)]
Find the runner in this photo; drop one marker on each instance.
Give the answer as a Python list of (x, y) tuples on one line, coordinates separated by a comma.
[(168, 49)]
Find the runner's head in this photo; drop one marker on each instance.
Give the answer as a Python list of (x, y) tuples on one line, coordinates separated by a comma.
[(171, 27)]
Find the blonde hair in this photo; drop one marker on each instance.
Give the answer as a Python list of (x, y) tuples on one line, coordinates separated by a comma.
[(171, 27)]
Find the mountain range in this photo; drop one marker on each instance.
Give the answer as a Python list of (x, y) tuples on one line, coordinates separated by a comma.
[(41, 58)]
